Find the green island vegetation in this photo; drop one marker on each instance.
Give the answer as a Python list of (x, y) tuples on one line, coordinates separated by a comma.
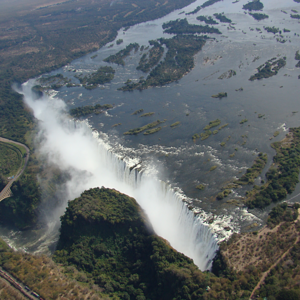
[(227, 74), (94, 56), (297, 57), (101, 76), (200, 187), (138, 130), (116, 125), (276, 133), (297, 1), (89, 109), (205, 4), (178, 61), (54, 82), (295, 16), (239, 90), (212, 124), (154, 56), (207, 20), (220, 95), (272, 29), (212, 168), (253, 5), (294, 10), (222, 18), (151, 131), (53, 36), (243, 121), (119, 41), (137, 112), (258, 16), (147, 114), (223, 144), (253, 172), (282, 177), (181, 26), (223, 194), (205, 135), (119, 57), (175, 124), (269, 69), (260, 116)]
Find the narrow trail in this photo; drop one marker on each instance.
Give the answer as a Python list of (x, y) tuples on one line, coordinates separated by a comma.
[(266, 273), (5, 193)]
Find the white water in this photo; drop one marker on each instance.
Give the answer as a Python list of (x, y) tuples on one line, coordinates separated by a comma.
[(74, 147)]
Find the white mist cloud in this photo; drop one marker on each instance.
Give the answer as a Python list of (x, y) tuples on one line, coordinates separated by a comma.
[(72, 147)]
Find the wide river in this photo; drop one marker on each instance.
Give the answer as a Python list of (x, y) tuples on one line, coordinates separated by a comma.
[(269, 105)]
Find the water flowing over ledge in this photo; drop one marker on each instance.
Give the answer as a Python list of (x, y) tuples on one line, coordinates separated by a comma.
[(73, 147)]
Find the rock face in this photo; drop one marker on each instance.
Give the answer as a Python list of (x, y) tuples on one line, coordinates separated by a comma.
[(106, 234)]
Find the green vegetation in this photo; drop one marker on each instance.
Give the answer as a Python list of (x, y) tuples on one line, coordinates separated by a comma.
[(151, 131), (227, 74), (175, 124), (269, 69), (253, 5), (212, 168), (223, 194), (141, 129), (295, 16), (138, 111), (103, 75), (116, 125), (282, 213), (271, 29), (282, 177), (205, 4), (54, 82), (297, 55), (254, 171), (119, 57), (119, 41), (147, 114), (212, 124), (221, 17), (89, 109), (10, 160), (258, 16), (219, 95), (208, 20), (178, 61), (181, 26), (205, 135), (105, 235), (200, 187), (276, 133), (260, 116), (154, 56), (243, 121), (223, 144)]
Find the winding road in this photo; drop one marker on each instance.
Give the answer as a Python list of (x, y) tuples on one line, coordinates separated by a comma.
[(6, 192)]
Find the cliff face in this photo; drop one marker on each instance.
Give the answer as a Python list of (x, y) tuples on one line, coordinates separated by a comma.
[(105, 234)]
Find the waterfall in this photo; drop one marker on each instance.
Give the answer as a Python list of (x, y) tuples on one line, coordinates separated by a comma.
[(74, 147)]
